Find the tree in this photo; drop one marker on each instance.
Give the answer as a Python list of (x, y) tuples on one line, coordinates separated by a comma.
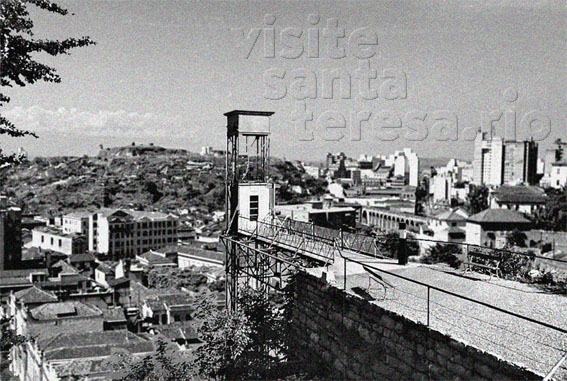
[(516, 238), (165, 364), (248, 343), (553, 215), (477, 199), (8, 339), (444, 253), (389, 245), (17, 46)]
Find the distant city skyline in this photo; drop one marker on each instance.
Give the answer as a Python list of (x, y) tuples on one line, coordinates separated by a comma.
[(165, 72)]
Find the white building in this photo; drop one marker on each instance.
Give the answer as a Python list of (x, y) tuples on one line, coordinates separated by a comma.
[(558, 174), (129, 232), (49, 238), (488, 160), (449, 226), (405, 164), (76, 222), (491, 227)]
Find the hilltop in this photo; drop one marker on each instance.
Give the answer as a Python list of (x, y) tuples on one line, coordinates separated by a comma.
[(159, 179)]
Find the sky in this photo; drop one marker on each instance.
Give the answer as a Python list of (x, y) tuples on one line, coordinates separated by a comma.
[(166, 72)]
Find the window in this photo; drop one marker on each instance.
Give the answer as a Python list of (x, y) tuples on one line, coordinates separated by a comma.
[(51, 240), (254, 208), (42, 238), (59, 242)]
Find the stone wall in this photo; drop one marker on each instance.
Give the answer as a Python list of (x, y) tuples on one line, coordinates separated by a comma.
[(354, 339)]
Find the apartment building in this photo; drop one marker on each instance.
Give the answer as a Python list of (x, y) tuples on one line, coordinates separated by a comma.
[(126, 233)]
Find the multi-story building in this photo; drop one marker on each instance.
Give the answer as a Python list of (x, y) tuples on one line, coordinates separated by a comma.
[(76, 222), (126, 233), (10, 235), (50, 238), (558, 174), (498, 161)]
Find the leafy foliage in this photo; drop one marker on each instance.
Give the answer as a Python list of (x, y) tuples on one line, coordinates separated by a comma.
[(164, 364), (516, 238), (8, 339), (553, 216), (389, 244), (477, 199), (515, 266), (246, 344), (17, 67), (443, 253)]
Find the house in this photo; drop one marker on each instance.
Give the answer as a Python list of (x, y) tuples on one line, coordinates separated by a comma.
[(78, 354), (449, 226), (521, 198), (166, 309), (33, 297), (76, 222), (113, 319), (491, 226), (109, 270), (156, 258), (84, 262)]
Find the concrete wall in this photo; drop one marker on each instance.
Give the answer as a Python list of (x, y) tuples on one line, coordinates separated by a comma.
[(358, 340)]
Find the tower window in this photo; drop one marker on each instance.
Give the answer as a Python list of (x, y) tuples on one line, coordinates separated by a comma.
[(254, 207)]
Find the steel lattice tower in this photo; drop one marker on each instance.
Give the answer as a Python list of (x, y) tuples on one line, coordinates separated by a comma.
[(247, 162)]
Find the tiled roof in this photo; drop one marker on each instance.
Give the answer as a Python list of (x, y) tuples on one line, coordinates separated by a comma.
[(503, 216), (84, 257), (520, 195), (35, 294), (65, 267), (450, 216), (193, 251), (114, 314), (55, 310), (93, 344), (154, 259), (114, 282)]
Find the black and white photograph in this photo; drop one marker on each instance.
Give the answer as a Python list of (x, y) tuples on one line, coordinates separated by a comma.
[(283, 190)]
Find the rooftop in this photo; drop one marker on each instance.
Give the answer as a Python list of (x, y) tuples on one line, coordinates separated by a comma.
[(62, 310), (78, 214), (136, 214), (93, 344), (155, 259), (57, 232), (502, 216), (186, 250), (34, 295), (520, 194), (84, 257)]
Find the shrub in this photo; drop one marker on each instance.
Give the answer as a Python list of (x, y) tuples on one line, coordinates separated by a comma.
[(443, 253)]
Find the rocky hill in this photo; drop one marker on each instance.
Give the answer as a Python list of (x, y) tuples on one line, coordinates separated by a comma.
[(172, 182)]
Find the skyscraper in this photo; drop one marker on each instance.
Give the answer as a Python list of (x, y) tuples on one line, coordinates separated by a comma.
[(498, 162)]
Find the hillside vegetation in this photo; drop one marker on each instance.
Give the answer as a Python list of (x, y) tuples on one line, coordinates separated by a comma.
[(169, 182)]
